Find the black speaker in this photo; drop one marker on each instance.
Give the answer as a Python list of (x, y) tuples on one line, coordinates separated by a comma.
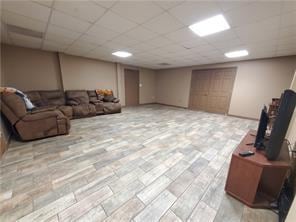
[(281, 124)]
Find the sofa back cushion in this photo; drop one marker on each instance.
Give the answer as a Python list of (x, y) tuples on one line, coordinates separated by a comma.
[(35, 98), (92, 95), (77, 97), (13, 107), (53, 97)]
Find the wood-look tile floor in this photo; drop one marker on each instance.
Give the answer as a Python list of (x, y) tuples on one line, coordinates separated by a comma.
[(149, 163)]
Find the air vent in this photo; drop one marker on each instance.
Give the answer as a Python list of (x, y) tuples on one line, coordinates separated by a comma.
[(24, 31), (163, 64)]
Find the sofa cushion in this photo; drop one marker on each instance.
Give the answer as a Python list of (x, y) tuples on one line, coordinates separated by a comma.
[(110, 108), (92, 95), (84, 110), (35, 98), (108, 98), (67, 111), (53, 97), (77, 97)]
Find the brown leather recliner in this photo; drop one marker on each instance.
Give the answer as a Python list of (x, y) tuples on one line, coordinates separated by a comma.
[(51, 98), (93, 99), (80, 103), (109, 104), (30, 125)]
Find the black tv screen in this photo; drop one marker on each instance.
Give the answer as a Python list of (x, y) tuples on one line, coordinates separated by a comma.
[(281, 124), (259, 142)]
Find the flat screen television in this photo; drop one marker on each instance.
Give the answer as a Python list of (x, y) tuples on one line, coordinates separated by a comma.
[(260, 137), (281, 124)]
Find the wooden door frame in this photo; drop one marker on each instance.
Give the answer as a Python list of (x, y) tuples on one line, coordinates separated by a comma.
[(138, 89), (207, 69)]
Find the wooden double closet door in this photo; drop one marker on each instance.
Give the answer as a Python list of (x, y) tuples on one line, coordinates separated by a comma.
[(211, 89)]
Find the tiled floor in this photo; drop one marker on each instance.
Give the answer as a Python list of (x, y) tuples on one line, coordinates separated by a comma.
[(149, 163)]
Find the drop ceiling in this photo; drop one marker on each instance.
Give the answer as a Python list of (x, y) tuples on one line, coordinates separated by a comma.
[(155, 32)]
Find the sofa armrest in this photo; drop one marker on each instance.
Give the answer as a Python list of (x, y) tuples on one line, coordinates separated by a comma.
[(42, 115), (43, 109), (115, 100), (95, 101)]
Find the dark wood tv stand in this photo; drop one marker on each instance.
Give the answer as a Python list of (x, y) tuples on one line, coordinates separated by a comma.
[(254, 180)]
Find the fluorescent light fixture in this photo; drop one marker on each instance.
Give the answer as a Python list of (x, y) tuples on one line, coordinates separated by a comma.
[(235, 54), (210, 26), (122, 54)]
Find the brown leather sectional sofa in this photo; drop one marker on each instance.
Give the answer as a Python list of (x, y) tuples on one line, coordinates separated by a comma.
[(53, 110)]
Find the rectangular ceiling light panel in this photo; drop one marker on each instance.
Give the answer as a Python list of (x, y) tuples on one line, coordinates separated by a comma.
[(236, 54), (122, 54), (210, 26)]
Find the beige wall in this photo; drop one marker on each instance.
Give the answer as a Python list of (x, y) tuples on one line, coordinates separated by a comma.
[(256, 83), (29, 69), (147, 81), (173, 86), (147, 86), (84, 73), (32, 69)]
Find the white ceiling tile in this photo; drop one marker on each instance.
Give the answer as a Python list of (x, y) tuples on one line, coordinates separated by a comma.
[(192, 12), (269, 31), (25, 41), (287, 31), (116, 46), (287, 40), (138, 12), (159, 41), (80, 47), (27, 8), (230, 45), (101, 33), (172, 48), (222, 36), (163, 23), (142, 46), (182, 35), (68, 22), (228, 5), (85, 10), (289, 6), (125, 40), (285, 52), (22, 21), (92, 39), (260, 10), (140, 33), (248, 35), (105, 4), (116, 23), (47, 3), (287, 45), (203, 48), (193, 43), (53, 46), (99, 52), (288, 19), (61, 35), (168, 4)]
